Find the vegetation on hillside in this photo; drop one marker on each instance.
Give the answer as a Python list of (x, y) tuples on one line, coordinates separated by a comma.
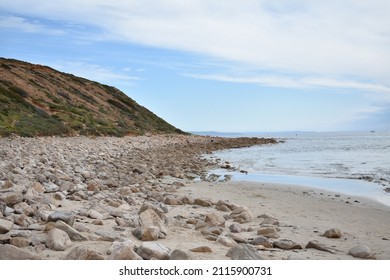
[(37, 100)]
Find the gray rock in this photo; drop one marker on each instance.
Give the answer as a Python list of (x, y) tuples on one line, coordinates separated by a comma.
[(124, 252), (261, 240), (153, 250), (179, 255), (23, 208), (241, 215), (62, 216), (333, 233), (95, 214), (226, 241), (84, 252), (244, 252), (5, 226), (362, 252), (286, 244), (235, 228), (58, 240), (10, 252), (73, 234), (107, 236)]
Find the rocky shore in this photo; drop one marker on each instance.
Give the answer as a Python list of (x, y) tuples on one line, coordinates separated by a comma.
[(113, 198)]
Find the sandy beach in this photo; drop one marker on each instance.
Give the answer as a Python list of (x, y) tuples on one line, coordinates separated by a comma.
[(137, 198)]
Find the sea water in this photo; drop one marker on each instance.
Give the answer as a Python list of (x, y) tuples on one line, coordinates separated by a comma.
[(355, 163)]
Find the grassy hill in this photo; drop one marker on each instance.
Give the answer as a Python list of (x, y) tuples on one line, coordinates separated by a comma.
[(36, 100)]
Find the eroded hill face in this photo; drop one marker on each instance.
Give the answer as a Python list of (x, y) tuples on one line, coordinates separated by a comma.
[(37, 100)]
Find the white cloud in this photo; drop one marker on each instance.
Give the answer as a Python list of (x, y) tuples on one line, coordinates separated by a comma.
[(336, 38), (22, 24)]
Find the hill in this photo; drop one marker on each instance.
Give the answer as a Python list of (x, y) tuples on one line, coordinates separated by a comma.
[(37, 100)]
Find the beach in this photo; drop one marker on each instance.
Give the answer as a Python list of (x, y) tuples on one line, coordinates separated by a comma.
[(152, 197)]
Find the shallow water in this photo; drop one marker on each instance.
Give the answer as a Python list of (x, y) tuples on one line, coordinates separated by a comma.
[(331, 161)]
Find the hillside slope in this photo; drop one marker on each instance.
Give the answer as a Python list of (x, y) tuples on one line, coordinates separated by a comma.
[(36, 100)]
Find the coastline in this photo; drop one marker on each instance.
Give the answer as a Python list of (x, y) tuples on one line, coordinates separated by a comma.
[(136, 198)]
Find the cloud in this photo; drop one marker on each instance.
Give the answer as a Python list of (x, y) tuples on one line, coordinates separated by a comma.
[(337, 38), (22, 24)]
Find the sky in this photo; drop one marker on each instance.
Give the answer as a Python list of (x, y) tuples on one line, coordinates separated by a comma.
[(221, 65)]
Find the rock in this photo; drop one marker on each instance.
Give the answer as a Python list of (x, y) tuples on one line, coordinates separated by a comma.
[(214, 220), (261, 240), (153, 250), (124, 252), (202, 202), (10, 252), (58, 240), (95, 214), (23, 208), (223, 208), (226, 241), (51, 187), (147, 205), (83, 252), (333, 233), (241, 215), (150, 218), (7, 184), (286, 244), (11, 198), (107, 235), (362, 252), (244, 252), (235, 228), (314, 244), (62, 216), (173, 201), (5, 226), (270, 221), (179, 255), (36, 186), (73, 234), (237, 238), (269, 232), (149, 233), (19, 242), (201, 249)]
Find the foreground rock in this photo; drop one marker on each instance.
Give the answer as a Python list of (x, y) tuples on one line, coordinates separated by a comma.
[(244, 252), (362, 252)]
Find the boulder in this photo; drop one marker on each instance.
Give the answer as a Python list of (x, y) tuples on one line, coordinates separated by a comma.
[(84, 252), (362, 252), (150, 218), (244, 252), (269, 232), (73, 234), (5, 226), (241, 215), (10, 252), (149, 233), (124, 252), (58, 240), (178, 254), (203, 202), (153, 250), (226, 241), (62, 216), (262, 241)]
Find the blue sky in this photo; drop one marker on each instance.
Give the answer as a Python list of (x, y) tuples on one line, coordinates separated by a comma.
[(222, 65)]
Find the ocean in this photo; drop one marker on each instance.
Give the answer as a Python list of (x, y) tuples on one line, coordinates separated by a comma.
[(354, 163)]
